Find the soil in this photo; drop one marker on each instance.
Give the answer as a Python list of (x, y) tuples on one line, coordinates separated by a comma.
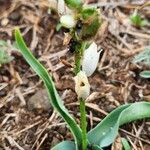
[(27, 120)]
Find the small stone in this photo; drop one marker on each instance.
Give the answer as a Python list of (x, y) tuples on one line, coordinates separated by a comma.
[(39, 102), (4, 22)]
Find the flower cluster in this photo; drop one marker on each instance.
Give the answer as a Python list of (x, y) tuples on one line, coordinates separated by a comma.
[(89, 64), (83, 24)]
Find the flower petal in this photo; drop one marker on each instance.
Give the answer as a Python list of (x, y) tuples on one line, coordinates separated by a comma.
[(90, 59), (82, 86)]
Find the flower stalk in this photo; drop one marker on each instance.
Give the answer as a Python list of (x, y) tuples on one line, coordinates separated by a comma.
[(81, 94), (83, 24), (83, 124), (78, 57)]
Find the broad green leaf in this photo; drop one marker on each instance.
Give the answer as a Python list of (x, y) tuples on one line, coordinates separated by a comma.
[(95, 147), (106, 131), (65, 145), (69, 145), (145, 74), (125, 144), (54, 98)]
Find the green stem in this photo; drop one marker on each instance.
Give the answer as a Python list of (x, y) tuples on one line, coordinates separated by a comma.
[(77, 62), (83, 123), (78, 57)]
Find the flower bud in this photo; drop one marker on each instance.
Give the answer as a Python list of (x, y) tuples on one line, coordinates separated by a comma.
[(91, 22), (82, 86), (74, 4), (90, 59), (68, 21)]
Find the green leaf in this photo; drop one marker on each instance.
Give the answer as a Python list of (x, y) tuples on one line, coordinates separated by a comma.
[(58, 27), (145, 74), (96, 147), (125, 144), (137, 20), (106, 131), (143, 56), (74, 4), (4, 57), (3, 43), (69, 145), (65, 145), (54, 98)]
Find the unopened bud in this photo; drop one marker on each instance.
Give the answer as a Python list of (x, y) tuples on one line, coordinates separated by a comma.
[(68, 21)]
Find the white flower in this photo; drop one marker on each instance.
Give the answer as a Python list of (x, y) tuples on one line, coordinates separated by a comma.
[(82, 86), (68, 21), (90, 59)]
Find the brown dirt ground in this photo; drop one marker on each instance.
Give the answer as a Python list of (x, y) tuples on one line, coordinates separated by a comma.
[(29, 123)]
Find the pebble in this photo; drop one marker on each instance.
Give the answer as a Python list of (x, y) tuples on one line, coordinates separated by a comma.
[(4, 22), (39, 102)]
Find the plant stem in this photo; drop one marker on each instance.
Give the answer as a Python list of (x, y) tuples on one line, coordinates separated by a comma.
[(78, 57), (77, 62), (83, 123)]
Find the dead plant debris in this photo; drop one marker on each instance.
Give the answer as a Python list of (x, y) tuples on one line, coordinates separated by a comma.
[(116, 81)]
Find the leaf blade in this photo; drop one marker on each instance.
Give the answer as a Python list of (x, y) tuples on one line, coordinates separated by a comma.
[(49, 84), (65, 145), (145, 74), (110, 125)]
